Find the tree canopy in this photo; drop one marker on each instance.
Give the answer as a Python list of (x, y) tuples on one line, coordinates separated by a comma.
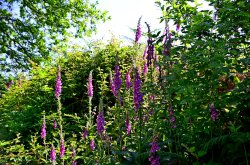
[(30, 28)]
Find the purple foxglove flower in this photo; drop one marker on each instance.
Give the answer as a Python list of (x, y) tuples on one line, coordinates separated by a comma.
[(154, 160), (58, 90), (128, 125), (145, 70), (85, 133), (117, 79), (90, 85), (43, 129), (74, 162), (214, 113), (128, 80), (150, 52), (138, 31), (138, 96), (92, 144), (54, 124), (62, 148), (53, 154), (154, 146), (100, 123), (172, 119)]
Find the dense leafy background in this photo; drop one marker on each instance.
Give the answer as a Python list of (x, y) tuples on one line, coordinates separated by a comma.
[(207, 63)]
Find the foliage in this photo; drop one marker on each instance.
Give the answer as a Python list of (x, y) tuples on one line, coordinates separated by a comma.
[(194, 81), (29, 29)]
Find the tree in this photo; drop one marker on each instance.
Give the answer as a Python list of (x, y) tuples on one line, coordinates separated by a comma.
[(29, 29)]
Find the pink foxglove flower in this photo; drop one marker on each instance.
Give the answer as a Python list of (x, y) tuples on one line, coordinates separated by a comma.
[(92, 144), (138, 31), (62, 148), (58, 90), (90, 85), (43, 129), (128, 125), (53, 154)]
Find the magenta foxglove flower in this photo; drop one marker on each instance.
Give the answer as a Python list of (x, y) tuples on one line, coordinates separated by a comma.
[(85, 133), (154, 160), (150, 52), (138, 31), (214, 113), (90, 85), (74, 162), (154, 146), (54, 124), (43, 129), (128, 125), (53, 154), (128, 80), (92, 144), (117, 79), (100, 123), (62, 148), (58, 90), (138, 96)]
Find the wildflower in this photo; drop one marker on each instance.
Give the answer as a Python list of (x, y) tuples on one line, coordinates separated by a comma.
[(117, 79), (54, 124), (74, 162), (90, 85), (85, 133), (138, 31), (128, 125), (214, 113), (58, 90), (154, 146), (100, 123), (150, 52), (62, 148), (53, 153), (92, 144), (154, 160), (128, 80), (43, 129), (138, 96)]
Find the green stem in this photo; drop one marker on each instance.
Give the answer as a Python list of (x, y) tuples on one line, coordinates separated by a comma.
[(246, 154)]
